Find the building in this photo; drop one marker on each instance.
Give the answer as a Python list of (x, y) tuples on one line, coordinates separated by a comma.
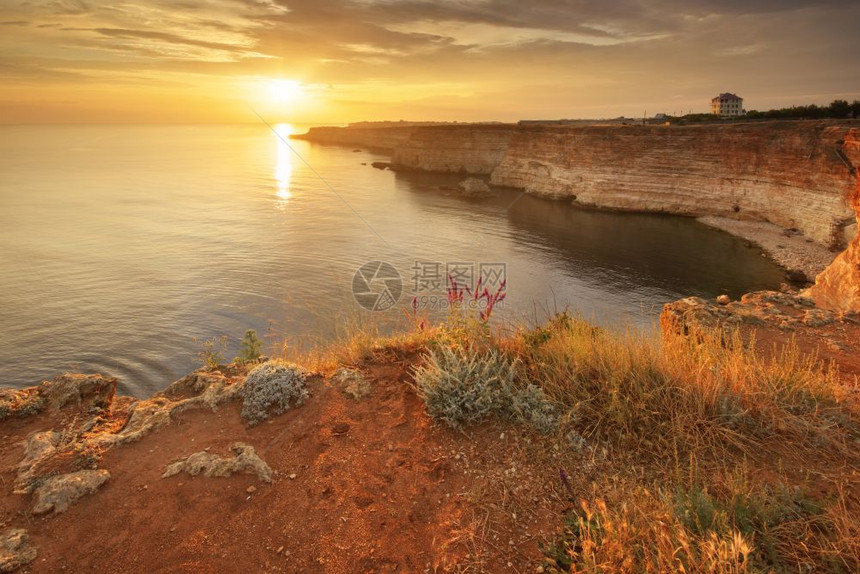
[(727, 105)]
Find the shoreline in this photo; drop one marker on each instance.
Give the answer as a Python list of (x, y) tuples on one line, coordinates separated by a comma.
[(794, 252), (731, 172)]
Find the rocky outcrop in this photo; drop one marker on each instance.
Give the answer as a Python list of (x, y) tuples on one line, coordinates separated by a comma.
[(15, 549), (381, 138), (787, 173), (455, 149), (58, 493), (83, 391), (838, 287), (794, 174), (245, 460), (475, 188), (783, 311)]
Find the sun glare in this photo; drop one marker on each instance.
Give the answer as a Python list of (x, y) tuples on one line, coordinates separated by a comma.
[(285, 90)]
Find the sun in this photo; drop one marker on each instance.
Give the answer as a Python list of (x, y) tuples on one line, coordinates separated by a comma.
[(285, 90)]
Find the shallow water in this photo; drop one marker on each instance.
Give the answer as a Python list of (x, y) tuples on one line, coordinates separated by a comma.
[(121, 245)]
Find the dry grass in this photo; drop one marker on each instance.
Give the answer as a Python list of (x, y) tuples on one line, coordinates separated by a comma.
[(695, 454)]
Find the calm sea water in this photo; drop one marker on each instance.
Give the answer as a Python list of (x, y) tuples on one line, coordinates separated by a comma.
[(121, 245)]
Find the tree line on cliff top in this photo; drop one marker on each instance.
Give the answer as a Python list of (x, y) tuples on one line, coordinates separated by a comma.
[(837, 109)]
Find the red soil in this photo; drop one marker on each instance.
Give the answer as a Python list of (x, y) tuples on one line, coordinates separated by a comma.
[(368, 485)]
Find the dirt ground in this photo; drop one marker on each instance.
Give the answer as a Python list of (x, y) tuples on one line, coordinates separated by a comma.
[(359, 485), (366, 485)]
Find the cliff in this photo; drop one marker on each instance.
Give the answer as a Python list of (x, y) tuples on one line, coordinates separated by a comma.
[(382, 138), (838, 287), (793, 174)]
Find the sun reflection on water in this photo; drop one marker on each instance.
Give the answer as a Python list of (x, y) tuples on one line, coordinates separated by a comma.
[(283, 164)]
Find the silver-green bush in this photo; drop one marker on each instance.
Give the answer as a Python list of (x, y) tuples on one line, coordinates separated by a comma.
[(462, 387), (270, 388)]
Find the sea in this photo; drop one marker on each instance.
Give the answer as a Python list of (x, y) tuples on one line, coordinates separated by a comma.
[(124, 248)]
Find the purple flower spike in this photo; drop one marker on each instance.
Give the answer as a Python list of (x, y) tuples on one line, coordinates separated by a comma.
[(565, 481)]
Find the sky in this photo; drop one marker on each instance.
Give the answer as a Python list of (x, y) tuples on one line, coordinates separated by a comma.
[(333, 62)]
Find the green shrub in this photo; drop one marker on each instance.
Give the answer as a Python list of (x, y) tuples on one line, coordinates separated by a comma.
[(250, 348), (270, 388)]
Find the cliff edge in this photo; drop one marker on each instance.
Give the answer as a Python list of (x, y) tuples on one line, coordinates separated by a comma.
[(838, 287), (793, 174)]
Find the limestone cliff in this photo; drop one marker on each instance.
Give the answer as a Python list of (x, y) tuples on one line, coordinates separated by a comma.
[(794, 174), (838, 287), (382, 138), (791, 174), (455, 148)]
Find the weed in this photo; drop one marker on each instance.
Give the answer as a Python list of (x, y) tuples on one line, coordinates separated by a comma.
[(250, 347), (212, 351)]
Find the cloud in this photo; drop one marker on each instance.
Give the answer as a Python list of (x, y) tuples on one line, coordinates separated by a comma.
[(510, 57)]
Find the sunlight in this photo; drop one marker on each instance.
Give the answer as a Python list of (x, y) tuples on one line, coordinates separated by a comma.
[(285, 90), (283, 164)]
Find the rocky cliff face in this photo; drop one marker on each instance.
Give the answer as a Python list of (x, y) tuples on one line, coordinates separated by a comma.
[(388, 138), (792, 174), (466, 149), (838, 287)]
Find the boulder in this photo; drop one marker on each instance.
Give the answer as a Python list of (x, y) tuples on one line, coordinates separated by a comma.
[(211, 465), (58, 493), (837, 288), (15, 549)]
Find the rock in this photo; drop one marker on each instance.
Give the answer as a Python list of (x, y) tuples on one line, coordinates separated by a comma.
[(767, 165), (796, 276), (353, 383), (340, 428), (723, 300), (251, 489), (474, 188), (39, 447), (211, 465), (81, 390), (15, 549), (57, 493), (197, 390), (680, 317), (837, 288), (381, 165), (818, 317)]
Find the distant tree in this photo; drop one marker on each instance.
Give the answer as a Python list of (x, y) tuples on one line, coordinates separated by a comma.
[(840, 109)]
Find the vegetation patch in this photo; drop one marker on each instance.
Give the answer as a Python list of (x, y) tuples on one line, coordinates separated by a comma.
[(461, 386), (271, 388)]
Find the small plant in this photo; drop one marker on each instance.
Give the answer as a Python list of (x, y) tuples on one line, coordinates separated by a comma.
[(462, 387), (480, 296), (270, 388), (212, 351), (250, 347)]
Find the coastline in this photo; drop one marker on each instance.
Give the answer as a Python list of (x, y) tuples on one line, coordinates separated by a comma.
[(794, 252)]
